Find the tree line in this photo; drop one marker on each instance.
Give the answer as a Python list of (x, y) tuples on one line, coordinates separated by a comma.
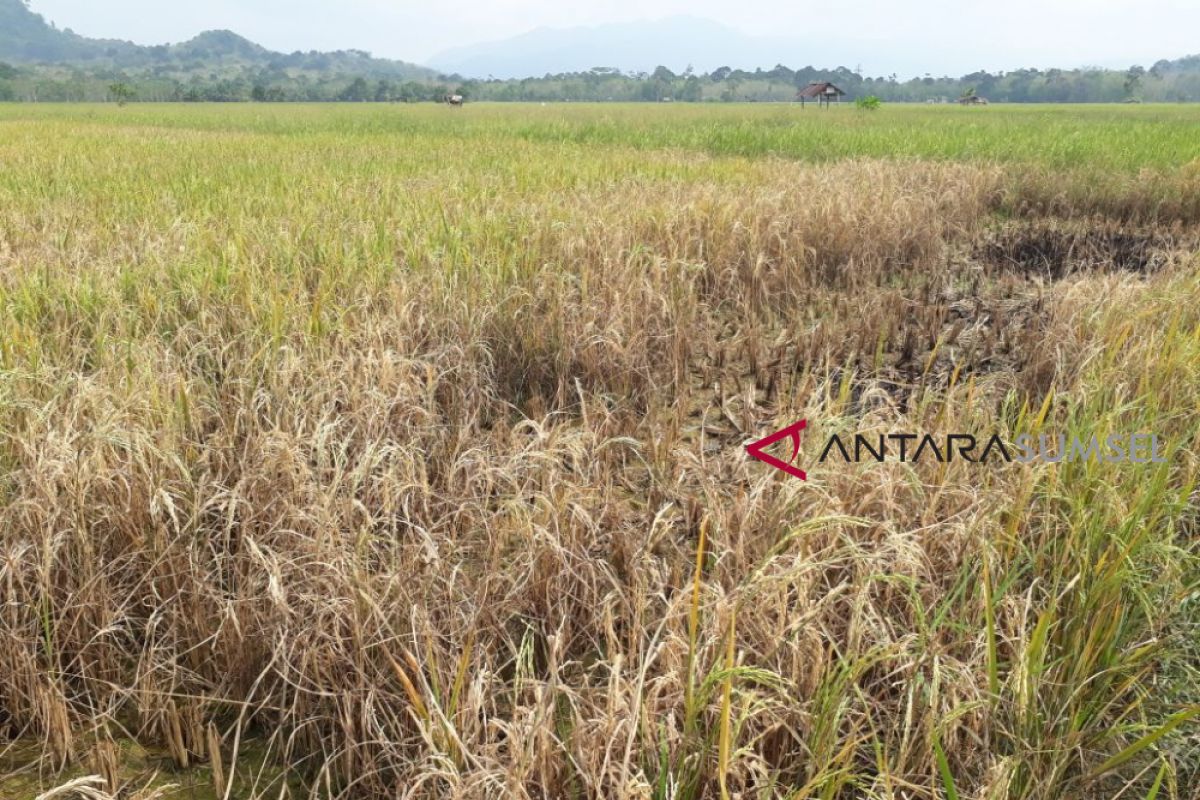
[(1165, 81)]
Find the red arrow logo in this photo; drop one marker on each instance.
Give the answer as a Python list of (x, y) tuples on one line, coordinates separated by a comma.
[(758, 449)]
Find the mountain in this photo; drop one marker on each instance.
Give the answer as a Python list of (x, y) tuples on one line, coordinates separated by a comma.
[(222, 45), (674, 42), (26, 38)]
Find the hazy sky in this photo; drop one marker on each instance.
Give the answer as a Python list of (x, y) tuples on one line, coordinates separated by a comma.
[(939, 36)]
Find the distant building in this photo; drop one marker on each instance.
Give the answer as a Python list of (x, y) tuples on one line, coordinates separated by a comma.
[(823, 92), (973, 100)]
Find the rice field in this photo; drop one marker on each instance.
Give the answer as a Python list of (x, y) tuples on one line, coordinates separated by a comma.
[(378, 451)]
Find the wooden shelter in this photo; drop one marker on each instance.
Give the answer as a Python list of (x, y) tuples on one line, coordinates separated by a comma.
[(823, 92)]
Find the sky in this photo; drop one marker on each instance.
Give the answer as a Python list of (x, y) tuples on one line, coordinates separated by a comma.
[(882, 36)]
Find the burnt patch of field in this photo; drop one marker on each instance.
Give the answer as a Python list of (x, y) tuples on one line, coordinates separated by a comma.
[(887, 347), (982, 312), (991, 333), (1054, 249)]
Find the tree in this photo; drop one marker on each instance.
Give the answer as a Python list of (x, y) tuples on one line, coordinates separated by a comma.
[(468, 89), (1133, 82), (732, 84), (693, 91), (121, 93), (357, 92)]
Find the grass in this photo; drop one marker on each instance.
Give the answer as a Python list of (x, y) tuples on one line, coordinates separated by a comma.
[(356, 451), (1098, 137)]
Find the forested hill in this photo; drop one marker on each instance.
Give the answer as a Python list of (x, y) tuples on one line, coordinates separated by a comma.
[(39, 62), (65, 63), (26, 37)]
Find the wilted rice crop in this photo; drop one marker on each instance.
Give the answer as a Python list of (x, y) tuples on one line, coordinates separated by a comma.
[(376, 452)]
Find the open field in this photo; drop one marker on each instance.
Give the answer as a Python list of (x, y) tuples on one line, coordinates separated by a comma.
[(387, 451)]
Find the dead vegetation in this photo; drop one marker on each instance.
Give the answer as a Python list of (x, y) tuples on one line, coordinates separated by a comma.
[(456, 504), (1053, 250)]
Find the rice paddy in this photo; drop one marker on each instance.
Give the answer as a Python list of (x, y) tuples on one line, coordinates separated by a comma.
[(383, 451)]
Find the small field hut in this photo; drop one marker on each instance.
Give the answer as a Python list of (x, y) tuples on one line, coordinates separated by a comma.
[(823, 92)]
